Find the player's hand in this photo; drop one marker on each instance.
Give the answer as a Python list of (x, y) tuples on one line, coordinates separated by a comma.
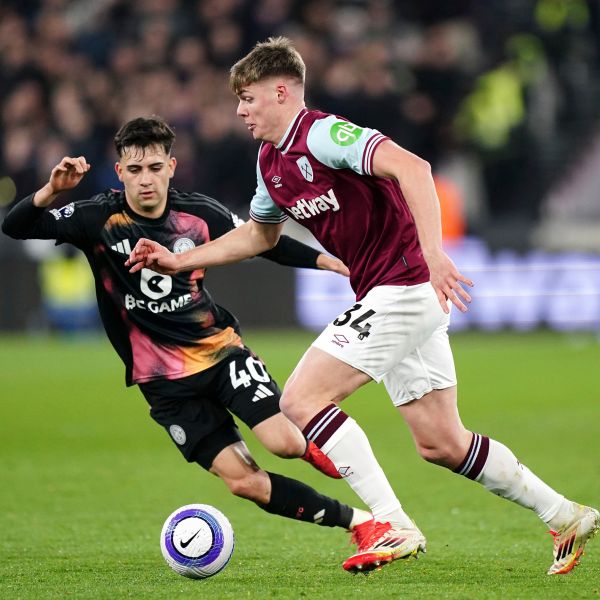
[(151, 255), (446, 281), (67, 174), (330, 263)]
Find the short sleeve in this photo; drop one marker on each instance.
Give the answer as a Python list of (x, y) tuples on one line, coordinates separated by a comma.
[(262, 207), (340, 144)]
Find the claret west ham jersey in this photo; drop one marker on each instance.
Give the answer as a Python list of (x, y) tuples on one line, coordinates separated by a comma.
[(161, 325), (320, 175)]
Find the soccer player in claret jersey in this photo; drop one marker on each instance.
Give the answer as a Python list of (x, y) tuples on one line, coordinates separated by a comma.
[(183, 350), (374, 205)]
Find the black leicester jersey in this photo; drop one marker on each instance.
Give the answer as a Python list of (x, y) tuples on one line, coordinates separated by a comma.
[(162, 326)]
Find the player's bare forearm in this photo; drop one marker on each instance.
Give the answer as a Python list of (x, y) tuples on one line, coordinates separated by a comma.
[(44, 197), (415, 179), (414, 176), (246, 241), (64, 176), (243, 242)]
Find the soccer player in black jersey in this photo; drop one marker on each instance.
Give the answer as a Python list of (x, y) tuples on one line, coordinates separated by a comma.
[(182, 350)]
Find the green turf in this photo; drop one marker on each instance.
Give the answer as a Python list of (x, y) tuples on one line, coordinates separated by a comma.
[(87, 479)]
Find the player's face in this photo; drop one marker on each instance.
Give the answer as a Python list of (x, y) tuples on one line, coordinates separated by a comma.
[(145, 173), (260, 105)]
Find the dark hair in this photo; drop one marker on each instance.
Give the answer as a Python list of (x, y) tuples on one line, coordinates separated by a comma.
[(275, 57), (144, 132)]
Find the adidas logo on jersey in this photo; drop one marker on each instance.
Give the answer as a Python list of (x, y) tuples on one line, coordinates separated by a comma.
[(262, 391), (305, 209), (122, 247)]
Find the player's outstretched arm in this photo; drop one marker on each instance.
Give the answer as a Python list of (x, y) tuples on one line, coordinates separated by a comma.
[(64, 176), (152, 255), (293, 253), (414, 176), (245, 241), (26, 219)]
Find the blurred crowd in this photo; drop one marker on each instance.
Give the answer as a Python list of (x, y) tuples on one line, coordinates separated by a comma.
[(498, 95)]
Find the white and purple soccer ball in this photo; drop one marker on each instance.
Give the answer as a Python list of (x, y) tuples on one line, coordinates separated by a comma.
[(197, 541)]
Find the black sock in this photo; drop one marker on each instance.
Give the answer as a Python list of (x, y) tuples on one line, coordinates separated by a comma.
[(295, 500)]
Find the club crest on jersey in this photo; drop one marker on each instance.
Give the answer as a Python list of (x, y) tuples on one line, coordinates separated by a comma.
[(305, 168), (183, 245)]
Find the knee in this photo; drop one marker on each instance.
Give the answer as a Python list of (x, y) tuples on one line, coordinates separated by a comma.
[(290, 404)]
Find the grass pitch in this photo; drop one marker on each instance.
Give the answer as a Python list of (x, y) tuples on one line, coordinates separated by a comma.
[(87, 479)]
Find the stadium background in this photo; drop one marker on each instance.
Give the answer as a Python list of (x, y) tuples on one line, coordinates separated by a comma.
[(502, 97)]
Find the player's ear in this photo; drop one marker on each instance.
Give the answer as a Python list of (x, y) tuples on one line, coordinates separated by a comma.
[(172, 166), (282, 93), (119, 171)]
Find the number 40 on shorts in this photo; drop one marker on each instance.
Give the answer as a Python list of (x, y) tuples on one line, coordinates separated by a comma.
[(254, 370)]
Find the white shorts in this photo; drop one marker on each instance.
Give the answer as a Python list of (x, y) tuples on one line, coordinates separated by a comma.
[(398, 335)]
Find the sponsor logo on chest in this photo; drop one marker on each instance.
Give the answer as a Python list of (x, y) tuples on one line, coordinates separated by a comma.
[(305, 209)]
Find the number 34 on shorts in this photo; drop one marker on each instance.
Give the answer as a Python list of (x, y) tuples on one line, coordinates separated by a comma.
[(357, 319)]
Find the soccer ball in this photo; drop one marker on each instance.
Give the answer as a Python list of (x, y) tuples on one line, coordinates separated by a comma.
[(197, 540)]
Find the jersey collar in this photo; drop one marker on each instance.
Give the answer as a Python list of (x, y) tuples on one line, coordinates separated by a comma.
[(290, 132)]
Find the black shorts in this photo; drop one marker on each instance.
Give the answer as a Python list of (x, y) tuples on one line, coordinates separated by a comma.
[(195, 410)]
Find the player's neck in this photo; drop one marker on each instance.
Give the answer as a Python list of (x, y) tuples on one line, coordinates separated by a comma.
[(148, 212), (287, 120)]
